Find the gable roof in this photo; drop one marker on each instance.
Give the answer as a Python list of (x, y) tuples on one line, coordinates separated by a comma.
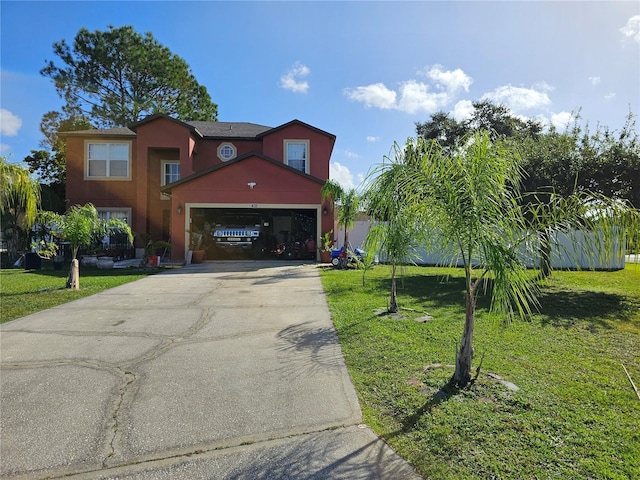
[(298, 122), (206, 171), (155, 116)]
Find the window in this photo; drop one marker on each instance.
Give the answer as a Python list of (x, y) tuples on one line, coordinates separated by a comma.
[(109, 213), (117, 245), (297, 154), (226, 151), (170, 174), (108, 160)]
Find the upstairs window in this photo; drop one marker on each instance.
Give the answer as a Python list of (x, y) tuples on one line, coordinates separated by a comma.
[(226, 151), (297, 154), (108, 160), (170, 174)]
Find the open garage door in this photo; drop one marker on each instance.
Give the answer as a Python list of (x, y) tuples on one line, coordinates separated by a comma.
[(258, 233)]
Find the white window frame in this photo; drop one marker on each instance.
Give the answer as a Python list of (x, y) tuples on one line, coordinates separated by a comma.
[(222, 147), (307, 160), (163, 175), (109, 177)]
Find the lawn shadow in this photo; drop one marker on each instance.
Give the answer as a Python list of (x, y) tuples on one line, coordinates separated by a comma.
[(566, 308), (433, 290), (443, 394), (561, 307)]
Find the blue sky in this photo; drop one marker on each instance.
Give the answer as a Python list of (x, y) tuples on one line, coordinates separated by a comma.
[(364, 71)]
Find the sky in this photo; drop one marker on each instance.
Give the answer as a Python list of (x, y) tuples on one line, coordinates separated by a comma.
[(363, 71)]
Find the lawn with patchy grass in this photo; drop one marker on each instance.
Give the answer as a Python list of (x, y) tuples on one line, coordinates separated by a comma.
[(552, 399), (29, 291)]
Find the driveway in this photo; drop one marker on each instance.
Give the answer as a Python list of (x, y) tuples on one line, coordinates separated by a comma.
[(223, 370)]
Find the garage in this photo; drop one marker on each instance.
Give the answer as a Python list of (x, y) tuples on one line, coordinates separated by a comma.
[(255, 232)]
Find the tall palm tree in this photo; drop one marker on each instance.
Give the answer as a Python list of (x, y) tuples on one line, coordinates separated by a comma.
[(395, 233), (349, 202), (19, 203), (468, 201)]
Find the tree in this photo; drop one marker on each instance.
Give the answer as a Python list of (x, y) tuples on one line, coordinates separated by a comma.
[(563, 162), (117, 77), (606, 162), (468, 201), (348, 201), (50, 163), (396, 232), (19, 203), (556, 163), (496, 119), (81, 226)]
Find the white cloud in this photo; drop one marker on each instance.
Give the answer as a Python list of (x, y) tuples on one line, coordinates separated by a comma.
[(341, 174), (543, 86), (372, 139), (449, 80), (609, 96), (594, 80), (374, 95), (632, 29), (518, 98), (350, 154), (292, 80), (462, 110), (562, 120), (9, 123), (413, 96), (4, 147)]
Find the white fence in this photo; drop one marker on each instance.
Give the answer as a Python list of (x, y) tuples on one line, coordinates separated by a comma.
[(569, 251)]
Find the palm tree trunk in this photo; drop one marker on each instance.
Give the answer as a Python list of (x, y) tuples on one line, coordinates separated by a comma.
[(464, 356), (545, 254), (73, 281), (393, 306)]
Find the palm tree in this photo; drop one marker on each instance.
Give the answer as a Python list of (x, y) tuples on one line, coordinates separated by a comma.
[(349, 202), (467, 200), (81, 226), (19, 203), (395, 234)]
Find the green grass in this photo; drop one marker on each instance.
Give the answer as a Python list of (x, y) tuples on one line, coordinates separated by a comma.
[(29, 291), (575, 414)]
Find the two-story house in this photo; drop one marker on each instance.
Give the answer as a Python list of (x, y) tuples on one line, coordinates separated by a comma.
[(169, 178)]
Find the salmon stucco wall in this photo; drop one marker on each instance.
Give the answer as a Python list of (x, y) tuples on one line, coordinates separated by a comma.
[(320, 147), (161, 133), (230, 185), (101, 193)]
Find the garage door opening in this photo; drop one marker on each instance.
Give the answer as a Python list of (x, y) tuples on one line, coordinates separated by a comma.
[(241, 233)]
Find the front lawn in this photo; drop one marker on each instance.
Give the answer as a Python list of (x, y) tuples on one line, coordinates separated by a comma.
[(552, 399), (29, 291)]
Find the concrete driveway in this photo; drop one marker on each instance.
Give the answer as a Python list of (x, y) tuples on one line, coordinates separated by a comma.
[(217, 371)]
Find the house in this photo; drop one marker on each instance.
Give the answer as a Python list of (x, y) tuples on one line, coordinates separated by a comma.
[(170, 178)]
